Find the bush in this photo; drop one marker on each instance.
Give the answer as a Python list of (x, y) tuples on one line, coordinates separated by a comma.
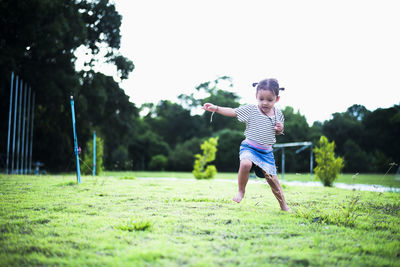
[(328, 167), (181, 158), (200, 171), (87, 167), (158, 163)]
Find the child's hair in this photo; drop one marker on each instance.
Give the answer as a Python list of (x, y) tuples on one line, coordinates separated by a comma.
[(269, 84)]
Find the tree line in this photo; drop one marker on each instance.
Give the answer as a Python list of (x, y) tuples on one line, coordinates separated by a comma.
[(38, 41)]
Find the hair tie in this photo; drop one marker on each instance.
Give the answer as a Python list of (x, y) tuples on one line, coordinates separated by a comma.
[(255, 84)]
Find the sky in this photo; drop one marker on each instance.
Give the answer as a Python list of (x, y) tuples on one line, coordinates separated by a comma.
[(328, 55)]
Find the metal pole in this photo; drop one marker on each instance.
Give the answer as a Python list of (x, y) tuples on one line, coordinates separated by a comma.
[(27, 131), (94, 153), (15, 123), (311, 160), (23, 133), (76, 149), (283, 163), (31, 144), (9, 121), (19, 124)]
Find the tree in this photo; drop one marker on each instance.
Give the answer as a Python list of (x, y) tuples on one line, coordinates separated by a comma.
[(174, 123), (158, 163), (328, 166), (227, 158), (38, 42), (182, 156), (200, 171)]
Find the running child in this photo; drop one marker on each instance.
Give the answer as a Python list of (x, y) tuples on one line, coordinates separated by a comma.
[(263, 122)]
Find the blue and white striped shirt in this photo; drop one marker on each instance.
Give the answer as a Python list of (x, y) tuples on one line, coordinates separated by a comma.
[(259, 127)]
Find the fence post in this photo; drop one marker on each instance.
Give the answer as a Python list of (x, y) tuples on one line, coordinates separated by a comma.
[(9, 121), (311, 160), (27, 131), (15, 123), (31, 144), (76, 149), (23, 133)]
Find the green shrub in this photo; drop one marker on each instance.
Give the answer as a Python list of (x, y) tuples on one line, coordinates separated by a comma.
[(328, 166), (87, 167), (209, 148), (158, 163)]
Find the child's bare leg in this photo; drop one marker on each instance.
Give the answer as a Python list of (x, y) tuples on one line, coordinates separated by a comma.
[(277, 190), (243, 177)]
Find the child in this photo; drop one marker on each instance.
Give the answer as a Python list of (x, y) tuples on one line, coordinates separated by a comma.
[(263, 122)]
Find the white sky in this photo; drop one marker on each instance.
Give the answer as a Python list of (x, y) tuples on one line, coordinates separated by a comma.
[(328, 55)]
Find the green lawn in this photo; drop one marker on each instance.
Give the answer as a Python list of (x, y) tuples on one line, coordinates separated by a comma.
[(379, 179), (114, 220)]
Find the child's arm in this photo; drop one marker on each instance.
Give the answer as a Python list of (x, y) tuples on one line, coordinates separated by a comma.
[(229, 112)]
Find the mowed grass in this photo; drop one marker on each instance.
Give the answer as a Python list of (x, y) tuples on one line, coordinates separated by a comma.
[(389, 180), (122, 221)]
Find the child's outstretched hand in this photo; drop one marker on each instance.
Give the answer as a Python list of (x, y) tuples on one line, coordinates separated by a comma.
[(278, 128), (210, 107)]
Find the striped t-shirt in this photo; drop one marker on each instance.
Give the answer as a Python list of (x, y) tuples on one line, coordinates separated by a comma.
[(259, 127)]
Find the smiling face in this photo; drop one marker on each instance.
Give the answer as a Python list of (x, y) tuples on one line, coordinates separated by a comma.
[(266, 101)]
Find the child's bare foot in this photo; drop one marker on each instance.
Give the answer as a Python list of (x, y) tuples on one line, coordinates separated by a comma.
[(238, 197), (286, 208)]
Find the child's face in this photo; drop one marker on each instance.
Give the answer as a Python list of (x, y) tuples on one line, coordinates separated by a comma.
[(266, 100)]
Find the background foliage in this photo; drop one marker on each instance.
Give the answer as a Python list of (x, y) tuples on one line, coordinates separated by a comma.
[(38, 40)]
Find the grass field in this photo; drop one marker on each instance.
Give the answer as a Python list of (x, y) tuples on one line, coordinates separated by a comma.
[(116, 220), (379, 179)]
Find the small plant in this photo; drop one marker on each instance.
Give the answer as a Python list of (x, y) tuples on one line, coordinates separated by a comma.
[(133, 225), (209, 148), (328, 166), (87, 167)]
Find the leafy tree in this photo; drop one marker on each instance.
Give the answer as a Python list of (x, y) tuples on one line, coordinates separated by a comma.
[(182, 156), (328, 166), (38, 42), (200, 171), (158, 163), (144, 147), (382, 134), (174, 123), (227, 158), (214, 94)]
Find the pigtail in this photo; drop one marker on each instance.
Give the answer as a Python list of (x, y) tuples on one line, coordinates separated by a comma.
[(254, 84), (281, 89)]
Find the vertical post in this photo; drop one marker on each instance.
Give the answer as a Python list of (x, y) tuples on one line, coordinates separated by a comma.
[(23, 132), (9, 121), (19, 124), (31, 143), (311, 160), (28, 111), (15, 123), (283, 163), (76, 149), (94, 153)]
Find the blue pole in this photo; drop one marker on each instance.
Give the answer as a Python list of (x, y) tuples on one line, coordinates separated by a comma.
[(23, 133), (9, 121), (76, 149), (31, 143), (15, 123), (19, 124), (94, 153), (27, 131)]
